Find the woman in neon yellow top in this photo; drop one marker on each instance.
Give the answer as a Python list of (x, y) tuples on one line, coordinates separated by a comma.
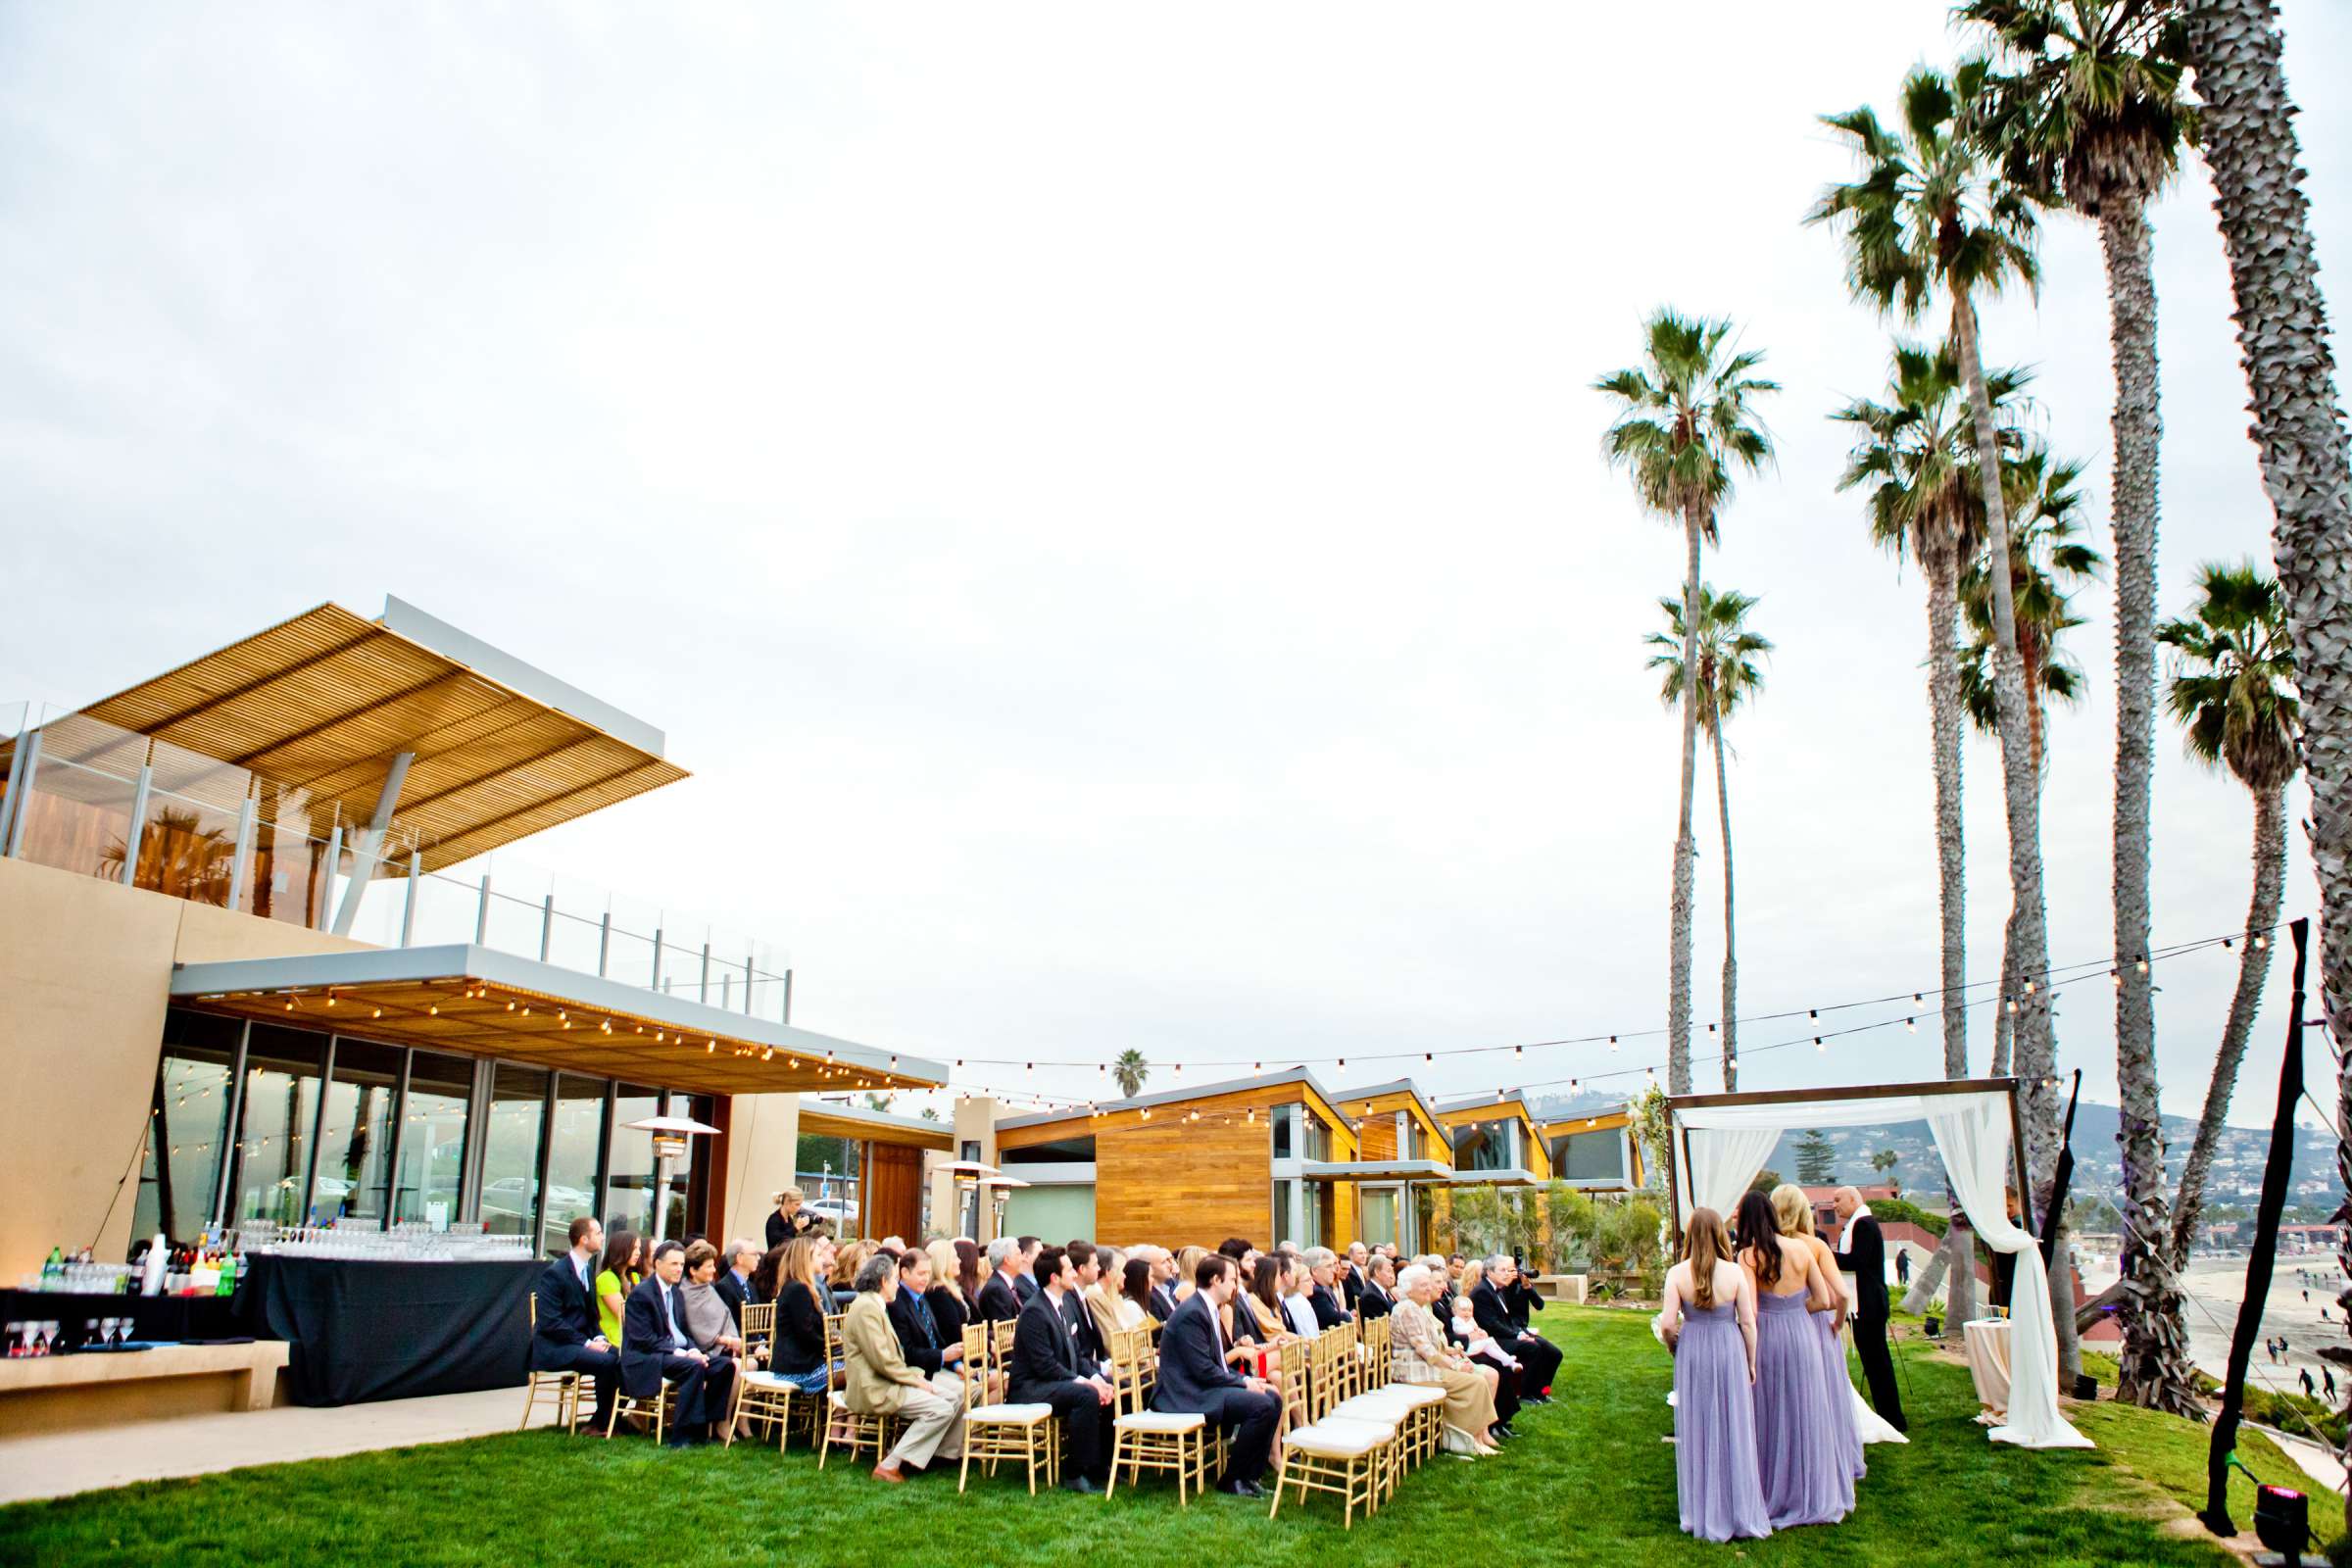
[(624, 1257)]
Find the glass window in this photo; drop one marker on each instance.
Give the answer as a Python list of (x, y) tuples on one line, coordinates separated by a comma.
[(510, 1149), (1380, 1215), (1286, 1137), (629, 1185), (271, 1159), (355, 1144), (1315, 1140), (432, 1138), (189, 1130), (1481, 1145), (690, 1178), (1282, 1214), (571, 1157), (1597, 1155)]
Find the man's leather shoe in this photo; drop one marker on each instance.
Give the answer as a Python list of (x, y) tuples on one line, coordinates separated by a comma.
[(1080, 1484), (1501, 1430), (889, 1472), (1240, 1488)]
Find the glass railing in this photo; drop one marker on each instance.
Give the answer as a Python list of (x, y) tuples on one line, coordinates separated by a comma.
[(215, 833)]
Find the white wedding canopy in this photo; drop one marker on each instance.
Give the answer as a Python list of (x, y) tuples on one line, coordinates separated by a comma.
[(1719, 1142)]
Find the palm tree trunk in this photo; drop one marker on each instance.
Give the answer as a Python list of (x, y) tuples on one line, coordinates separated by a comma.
[(2156, 1368), (1686, 852), (1730, 964), (1951, 871), (2004, 1022), (2036, 1047), (2253, 969)]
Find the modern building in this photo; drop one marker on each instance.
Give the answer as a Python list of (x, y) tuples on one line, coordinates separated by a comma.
[(1596, 1153), (253, 966)]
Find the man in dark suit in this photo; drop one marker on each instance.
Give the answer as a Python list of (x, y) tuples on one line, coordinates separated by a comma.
[(1352, 1277), (1378, 1298), (567, 1338), (1000, 1298), (1047, 1370), (655, 1349), (1163, 1283), (1862, 1249), (1322, 1290), (921, 1341), (734, 1282), (1088, 1268), (1194, 1379), (1025, 1283), (1532, 1351)]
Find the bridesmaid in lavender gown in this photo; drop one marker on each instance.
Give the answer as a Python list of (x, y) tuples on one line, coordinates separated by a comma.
[(1709, 1322), (1793, 1212), (1806, 1479)]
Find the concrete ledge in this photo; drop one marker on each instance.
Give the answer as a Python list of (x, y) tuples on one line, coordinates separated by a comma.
[(68, 1393), (1561, 1287)]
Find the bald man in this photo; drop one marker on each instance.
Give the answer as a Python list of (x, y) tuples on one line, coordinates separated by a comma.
[(1862, 1253)]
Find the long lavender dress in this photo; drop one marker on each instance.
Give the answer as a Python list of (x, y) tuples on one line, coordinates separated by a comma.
[(1839, 1390), (1715, 1427), (1806, 1480)]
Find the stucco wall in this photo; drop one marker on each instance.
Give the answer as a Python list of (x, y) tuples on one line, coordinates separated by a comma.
[(763, 1133)]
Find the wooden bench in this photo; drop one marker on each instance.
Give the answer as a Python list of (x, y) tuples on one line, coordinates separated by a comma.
[(68, 1393)]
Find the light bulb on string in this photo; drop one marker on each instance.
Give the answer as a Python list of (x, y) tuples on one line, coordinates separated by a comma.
[(2261, 940)]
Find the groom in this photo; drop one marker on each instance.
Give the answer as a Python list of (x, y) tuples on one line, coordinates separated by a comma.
[(1862, 1253)]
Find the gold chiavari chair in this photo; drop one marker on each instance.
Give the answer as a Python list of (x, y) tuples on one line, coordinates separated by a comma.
[(1347, 1459), (564, 1386), (994, 1431), (1143, 1438), (853, 1430)]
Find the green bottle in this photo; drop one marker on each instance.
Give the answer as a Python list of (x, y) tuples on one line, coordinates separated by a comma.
[(228, 1276), (53, 1272)]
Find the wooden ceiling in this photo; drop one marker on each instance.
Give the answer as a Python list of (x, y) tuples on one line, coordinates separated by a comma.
[(473, 1017), (320, 704), (816, 1119)]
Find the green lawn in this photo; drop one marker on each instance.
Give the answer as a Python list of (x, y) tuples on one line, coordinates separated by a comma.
[(1589, 1481)]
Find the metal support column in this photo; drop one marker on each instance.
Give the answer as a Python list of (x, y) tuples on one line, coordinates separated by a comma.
[(137, 831), (547, 927), (703, 994), (657, 980), (407, 913), (240, 870), (604, 948), (236, 1113), (369, 842), (19, 787), (327, 893), (788, 996), (481, 915), (748, 972)]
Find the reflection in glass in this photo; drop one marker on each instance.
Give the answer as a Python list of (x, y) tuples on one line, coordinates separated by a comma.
[(272, 1156), (572, 1150), (433, 1139), (629, 1185), (510, 1149), (188, 1126), (355, 1148)]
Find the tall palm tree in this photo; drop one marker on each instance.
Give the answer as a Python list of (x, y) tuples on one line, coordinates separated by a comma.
[(2299, 435), (1933, 215), (1686, 421), (1129, 1071), (1727, 678), (2090, 110), (2234, 693)]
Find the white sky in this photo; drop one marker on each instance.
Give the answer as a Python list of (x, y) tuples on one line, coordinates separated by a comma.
[(1107, 503)]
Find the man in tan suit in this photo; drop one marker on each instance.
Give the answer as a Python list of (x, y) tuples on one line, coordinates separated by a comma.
[(881, 1383)]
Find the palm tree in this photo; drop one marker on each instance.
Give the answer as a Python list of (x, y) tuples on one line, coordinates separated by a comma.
[(2094, 114), (1728, 677), (1686, 420), (1130, 1071), (2234, 692), (1915, 459), (1930, 214), (176, 854)]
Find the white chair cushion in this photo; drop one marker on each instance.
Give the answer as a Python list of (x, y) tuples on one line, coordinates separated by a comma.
[(1367, 1407), (1160, 1421), (769, 1380), (1332, 1442), (1384, 1431), (1011, 1415), (1418, 1394)]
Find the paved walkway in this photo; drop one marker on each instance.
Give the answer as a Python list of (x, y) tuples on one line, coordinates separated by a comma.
[(58, 1465)]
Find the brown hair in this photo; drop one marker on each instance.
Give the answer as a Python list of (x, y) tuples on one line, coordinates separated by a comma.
[(846, 1263), (967, 1267), (1705, 1246), (800, 1267), (620, 1257), (698, 1255)]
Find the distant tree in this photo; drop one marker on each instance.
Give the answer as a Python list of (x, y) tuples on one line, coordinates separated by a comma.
[(877, 1101), (1885, 1160), (1130, 1071), (1766, 1180), (1816, 1160)]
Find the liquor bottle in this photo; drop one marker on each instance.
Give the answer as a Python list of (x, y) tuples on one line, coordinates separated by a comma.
[(53, 1272), (227, 1285)]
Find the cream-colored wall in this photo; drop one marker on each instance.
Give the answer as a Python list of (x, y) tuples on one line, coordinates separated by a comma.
[(86, 973), (975, 1121), (763, 1133)]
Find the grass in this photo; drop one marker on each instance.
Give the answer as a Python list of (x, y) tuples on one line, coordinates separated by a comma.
[(1589, 1481)]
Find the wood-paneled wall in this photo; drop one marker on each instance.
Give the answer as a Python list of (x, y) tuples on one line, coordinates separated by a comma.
[(893, 1192), (1176, 1183)]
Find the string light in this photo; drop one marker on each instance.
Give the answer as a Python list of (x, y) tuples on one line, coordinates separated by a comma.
[(2143, 967), (1911, 1024), (2261, 940)]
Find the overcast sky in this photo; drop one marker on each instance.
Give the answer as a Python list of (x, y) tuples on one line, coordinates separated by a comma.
[(1108, 504)]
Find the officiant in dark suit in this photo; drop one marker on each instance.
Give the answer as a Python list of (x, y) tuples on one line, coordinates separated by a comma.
[(1862, 1251)]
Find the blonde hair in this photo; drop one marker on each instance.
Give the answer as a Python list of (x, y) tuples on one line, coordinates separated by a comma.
[(945, 1265), (800, 1267), (1706, 1246), (1188, 1261), (847, 1260), (1792, 1209), (1473, 1271)]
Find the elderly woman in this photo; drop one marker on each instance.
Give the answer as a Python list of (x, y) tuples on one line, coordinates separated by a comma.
[(881, 1383), (707, 1320), (1420, 1355), (787, 1221)]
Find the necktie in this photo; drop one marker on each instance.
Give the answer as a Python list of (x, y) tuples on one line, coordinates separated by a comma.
[(670, 1309), (922, 1312)]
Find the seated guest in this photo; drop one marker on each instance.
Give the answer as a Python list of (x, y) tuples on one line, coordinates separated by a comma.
[(1237, 1247), (788, 1220), (1025, 1283), (1047, 1370), (735, 1282), (802, 1304), (1262, 1302), (1352, 1277), (1474, 1342), (949, 1308), (1538, 1354), (1419, 1354), (767, 1275), (1183, 1269), (1298, 1308), (567, 1338), (1000, 1299), (1161, 1300), (655, 1349), (1322, 1292), (708, 1321), (624, 1257), (1137, 1303), (880, 1382), (1378, 1298), (1085, 1266), (1194, 1379), (847, 1259), (924, 1340), (972, 1267), (1107, 1306)]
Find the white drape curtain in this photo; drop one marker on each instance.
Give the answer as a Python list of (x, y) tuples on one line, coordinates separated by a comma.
[(1972, 1134), (1723, 1161), (1729, 1144)]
